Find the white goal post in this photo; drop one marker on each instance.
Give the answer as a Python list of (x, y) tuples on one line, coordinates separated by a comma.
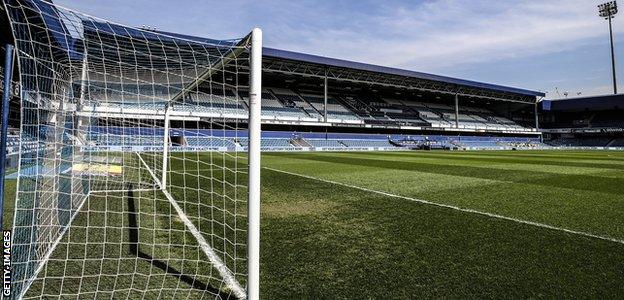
[(139, 174), (255, 97)]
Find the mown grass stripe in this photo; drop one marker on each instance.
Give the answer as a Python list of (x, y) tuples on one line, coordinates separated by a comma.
[(613, 157), (513, 160), (570, 181), (466, 210)]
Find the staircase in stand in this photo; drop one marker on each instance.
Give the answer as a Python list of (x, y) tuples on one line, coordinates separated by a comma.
[(300, 143)]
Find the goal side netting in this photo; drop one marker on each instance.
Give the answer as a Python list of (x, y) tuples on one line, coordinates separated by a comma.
[(139, 149)]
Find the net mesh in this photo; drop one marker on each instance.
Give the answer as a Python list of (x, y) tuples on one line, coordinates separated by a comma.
[(133, 185)]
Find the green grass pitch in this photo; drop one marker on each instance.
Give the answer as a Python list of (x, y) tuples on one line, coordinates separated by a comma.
[(326, 240)]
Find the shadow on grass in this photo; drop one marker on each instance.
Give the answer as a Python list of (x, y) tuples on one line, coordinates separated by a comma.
[(133, 234)]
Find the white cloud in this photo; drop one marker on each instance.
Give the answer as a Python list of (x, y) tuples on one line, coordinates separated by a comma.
[(439, 34), (431, 35)]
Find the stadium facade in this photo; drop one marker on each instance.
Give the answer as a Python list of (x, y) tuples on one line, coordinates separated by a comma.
[(584, 122), (303, 95), (110, 121)]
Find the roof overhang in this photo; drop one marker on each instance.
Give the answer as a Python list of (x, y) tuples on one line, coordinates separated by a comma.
[(295, 63), (288, 62), (594, 103)]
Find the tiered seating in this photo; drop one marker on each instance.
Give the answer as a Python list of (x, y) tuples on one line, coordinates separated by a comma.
[(291, 99), (13, 144), (318, 143), (465, 120), (272, 107), (396, 111), (504, 122), (130, 96), (427, 114), (219, 101), (362, 109), (375, 110), (286, 104), (583, 142), (210, 142), (442, 115), (431, 142), (275, 143), (269, 143), (619, 142), (125, 140), (478, 142), (291, 141), (335, 110), (154, 105), (28, 144), (468, 142), (367, 143)]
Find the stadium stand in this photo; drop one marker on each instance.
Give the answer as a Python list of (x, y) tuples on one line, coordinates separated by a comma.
[(285, 141), (210, 142), (418, 108), (280, 103), (583, 122), (335, 110), (618, 142), (317, 143), (292, 100), (367, 143)]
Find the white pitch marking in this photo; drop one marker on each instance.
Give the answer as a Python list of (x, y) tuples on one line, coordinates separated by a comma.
[(224, 271), (467, 210)]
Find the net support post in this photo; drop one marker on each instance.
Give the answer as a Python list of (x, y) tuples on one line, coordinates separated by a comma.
[(253, 238), (165, 167), (81, 100), (6, 97)]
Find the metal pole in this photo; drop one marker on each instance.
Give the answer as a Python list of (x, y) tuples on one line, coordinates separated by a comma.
[(325, 99), (6, 97), (612, 56), (536, 116), (165, 162), (456, 111), (80, 107), (253, 237)]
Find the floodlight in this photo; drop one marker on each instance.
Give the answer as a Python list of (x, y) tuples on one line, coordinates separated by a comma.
[(608, 11)]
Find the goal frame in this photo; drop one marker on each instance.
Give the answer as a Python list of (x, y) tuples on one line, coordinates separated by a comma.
[(4, 126), (255, 47), (253, 200)]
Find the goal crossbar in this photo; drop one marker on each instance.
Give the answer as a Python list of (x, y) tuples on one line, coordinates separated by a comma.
[(219, 65)]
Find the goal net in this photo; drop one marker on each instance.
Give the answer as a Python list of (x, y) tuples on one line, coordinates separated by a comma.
[(136, 179)]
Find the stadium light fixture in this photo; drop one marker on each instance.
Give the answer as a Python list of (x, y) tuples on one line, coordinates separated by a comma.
[(608, 11)]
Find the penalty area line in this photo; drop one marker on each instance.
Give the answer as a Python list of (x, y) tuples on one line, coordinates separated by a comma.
[(456, 208)]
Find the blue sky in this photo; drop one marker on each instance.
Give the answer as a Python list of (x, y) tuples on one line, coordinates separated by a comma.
[(533, 44)]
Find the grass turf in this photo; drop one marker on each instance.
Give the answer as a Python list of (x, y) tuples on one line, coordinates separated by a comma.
[(321, 240)]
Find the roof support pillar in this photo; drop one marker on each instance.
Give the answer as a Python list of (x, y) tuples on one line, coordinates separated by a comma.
[(325, 98), (456, 110), (536, 116)]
